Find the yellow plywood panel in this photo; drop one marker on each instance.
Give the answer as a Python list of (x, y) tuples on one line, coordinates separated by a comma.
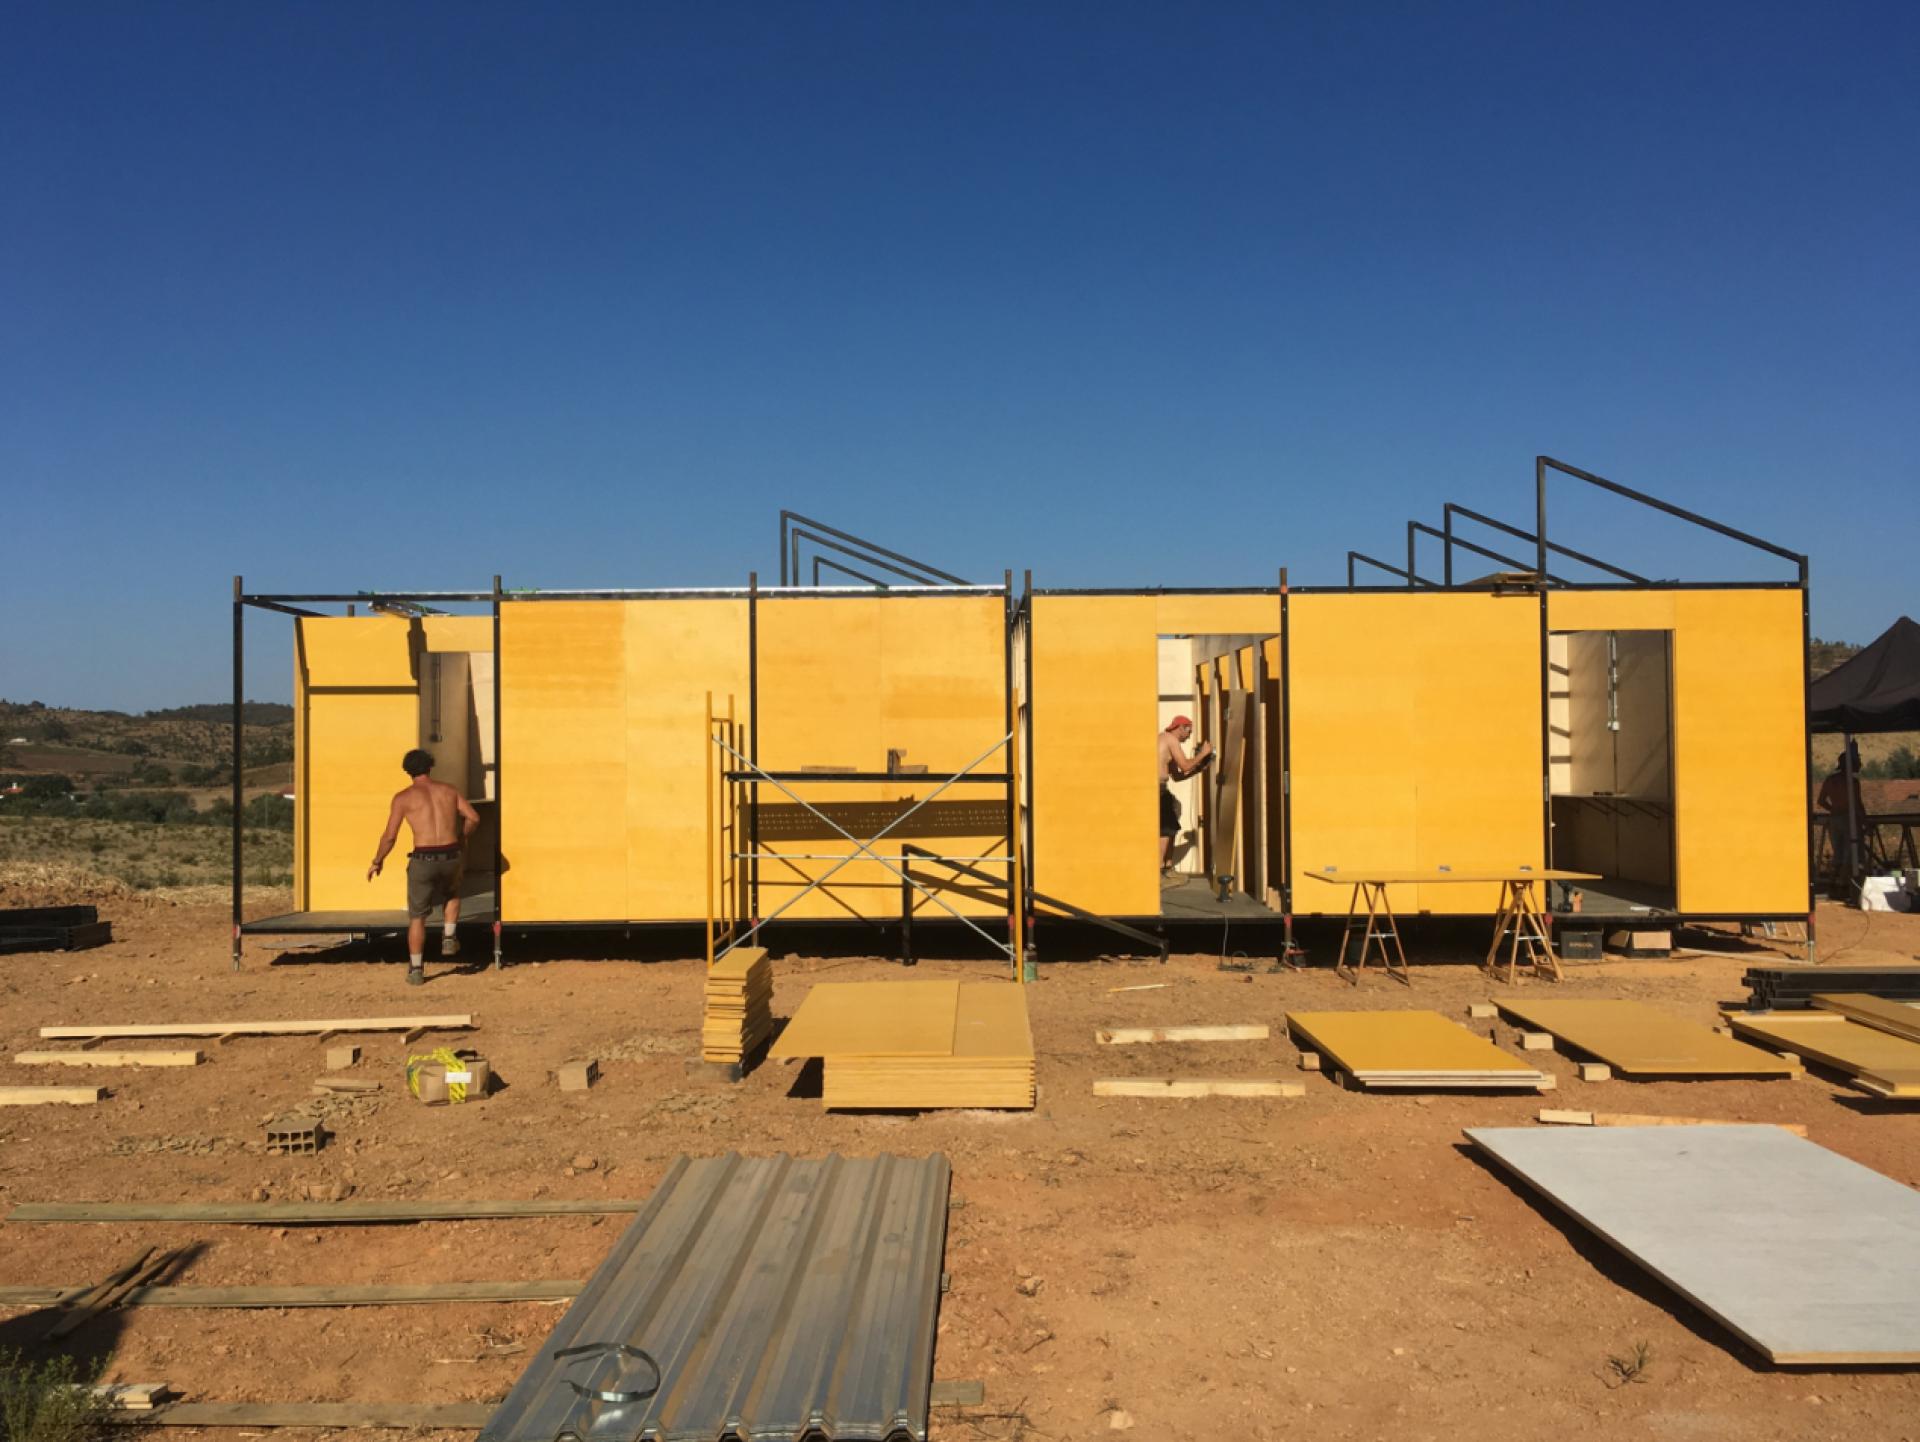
[(991, 1021), (1095, 797), (676, 651), (458, 633), (1739, 737), (563, 746), (1891, 1064), (844, 680), (1879, 1012), (1474, 876), (1386, 1042), (1248, 613), (872, 1019), (357, 724), (1638, 1039), (1415, 739)]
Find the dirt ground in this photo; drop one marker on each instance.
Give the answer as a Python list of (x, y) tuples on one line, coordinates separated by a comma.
[(1334, 1265)]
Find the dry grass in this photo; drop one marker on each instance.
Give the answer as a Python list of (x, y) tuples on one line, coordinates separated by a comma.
[(96, 859)]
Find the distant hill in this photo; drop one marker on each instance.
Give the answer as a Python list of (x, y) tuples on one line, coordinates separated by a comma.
[(66, 740), (1825, 655)]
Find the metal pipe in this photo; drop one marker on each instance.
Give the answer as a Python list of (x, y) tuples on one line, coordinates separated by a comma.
[(819, 561), (1353, 556), (918, 577), (877, 550), (1451, 509), (1542, 462), (1467, 545), (239, 726)]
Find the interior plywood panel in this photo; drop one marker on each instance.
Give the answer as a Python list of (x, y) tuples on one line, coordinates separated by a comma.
[(1739, 737), (360, 714)]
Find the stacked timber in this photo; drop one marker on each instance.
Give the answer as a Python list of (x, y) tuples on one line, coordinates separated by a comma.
[(916, 1045), (1900, 1018), (53, 928), (1876, 1061), (1792, 986), (1638, 1040), (1409, 1051), (739, 1005)]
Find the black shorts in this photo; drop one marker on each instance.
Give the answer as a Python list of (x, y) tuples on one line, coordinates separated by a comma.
[(433, 879), (1169, 812)]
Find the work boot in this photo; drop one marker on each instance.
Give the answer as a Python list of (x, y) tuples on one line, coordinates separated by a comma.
[(416, 976), (449, 945)]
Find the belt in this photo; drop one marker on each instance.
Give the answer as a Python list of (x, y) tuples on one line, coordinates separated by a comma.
[(434, 853)]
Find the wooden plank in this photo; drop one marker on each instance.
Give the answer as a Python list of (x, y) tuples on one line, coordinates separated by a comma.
[(307, 1213), (1640, 1040), (1127, 1035), (1435, 876), (460, 1022), (1810, 1258), (44, 1096), (108, 1058), (429, 1416), (1878, 1060), (1196, 1087), (132, 1396), (957, 1394), (315, 1296), (1639, 1119)]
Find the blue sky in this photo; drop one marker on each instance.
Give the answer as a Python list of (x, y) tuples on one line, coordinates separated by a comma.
[(353, 295)]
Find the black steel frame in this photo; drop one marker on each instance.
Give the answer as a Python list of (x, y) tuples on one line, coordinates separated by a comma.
[(795, 528)]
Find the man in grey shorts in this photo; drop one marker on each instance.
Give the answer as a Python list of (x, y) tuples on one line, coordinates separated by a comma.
[(433, 812)]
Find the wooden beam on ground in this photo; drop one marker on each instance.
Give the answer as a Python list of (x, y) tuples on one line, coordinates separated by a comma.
[(108, 1058), (1196, 1087), (1554, 1116), (1127, 1035), (307, 1213), (430, 1416), (105, 1299), (957, 1394), (225, 1029), (50, 1096), (315, 1296)]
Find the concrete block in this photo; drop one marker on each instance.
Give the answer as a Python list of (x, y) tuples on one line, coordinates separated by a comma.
[(1482, 1010), (1595, 1071), (577, 1076), (1536, 1041), (339, 1058), (1309, 1061)]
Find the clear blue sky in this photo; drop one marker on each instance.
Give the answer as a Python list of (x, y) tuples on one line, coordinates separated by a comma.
[(354, 295)]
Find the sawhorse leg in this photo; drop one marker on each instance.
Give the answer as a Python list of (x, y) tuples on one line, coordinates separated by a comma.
[(1526, 912), (1503, 918)]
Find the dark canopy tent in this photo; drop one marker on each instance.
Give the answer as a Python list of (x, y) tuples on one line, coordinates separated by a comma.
[(1877, 689)]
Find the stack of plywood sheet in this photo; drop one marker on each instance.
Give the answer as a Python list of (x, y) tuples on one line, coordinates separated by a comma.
[(739, 1011), (1878, 1061), (1640, 1040), (1811, 1259), (916, 1044), (1410, 1051)]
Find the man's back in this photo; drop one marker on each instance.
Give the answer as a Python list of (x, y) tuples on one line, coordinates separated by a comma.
[(431, 809)]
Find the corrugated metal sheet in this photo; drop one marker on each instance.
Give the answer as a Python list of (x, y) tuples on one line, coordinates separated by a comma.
[(781, 1299)]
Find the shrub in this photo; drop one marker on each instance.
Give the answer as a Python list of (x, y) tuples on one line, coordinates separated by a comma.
[(49, 1401)]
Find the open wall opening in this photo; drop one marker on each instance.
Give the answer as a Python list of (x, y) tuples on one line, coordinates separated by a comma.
[(1611, 766)]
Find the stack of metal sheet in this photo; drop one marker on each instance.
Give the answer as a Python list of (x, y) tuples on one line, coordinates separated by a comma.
[(739, 1005), (1409, 1051), (763, 1297), (916, 1044)]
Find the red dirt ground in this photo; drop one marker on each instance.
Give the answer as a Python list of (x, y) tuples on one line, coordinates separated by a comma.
[(1333, 1265)]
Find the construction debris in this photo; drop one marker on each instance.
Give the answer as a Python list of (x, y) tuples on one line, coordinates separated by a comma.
[(339, 1058), (1792, 986), (295, 1136), (52, 928), (578, 1076), (108, 1058), (1553, 1117), (50, 1096)]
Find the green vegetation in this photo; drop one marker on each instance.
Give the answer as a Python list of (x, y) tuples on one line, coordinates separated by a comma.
[(1901, 765), (146, 854), (49, 1401)]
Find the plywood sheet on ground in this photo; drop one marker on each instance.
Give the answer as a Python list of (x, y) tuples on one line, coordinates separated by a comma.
[(1880, 1061), (1640, 1040), (1808, 1257), (872, 1019), (1881, 1013), (1409, 1046)]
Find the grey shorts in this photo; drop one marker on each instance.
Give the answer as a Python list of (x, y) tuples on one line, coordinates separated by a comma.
[(433, 879)]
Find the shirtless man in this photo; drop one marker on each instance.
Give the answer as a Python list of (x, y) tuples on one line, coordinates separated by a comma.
[(1174, 766), (433, 811)]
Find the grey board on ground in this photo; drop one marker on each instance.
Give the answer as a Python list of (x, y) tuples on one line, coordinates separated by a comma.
[(780, 1298), (1812, 1259)]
